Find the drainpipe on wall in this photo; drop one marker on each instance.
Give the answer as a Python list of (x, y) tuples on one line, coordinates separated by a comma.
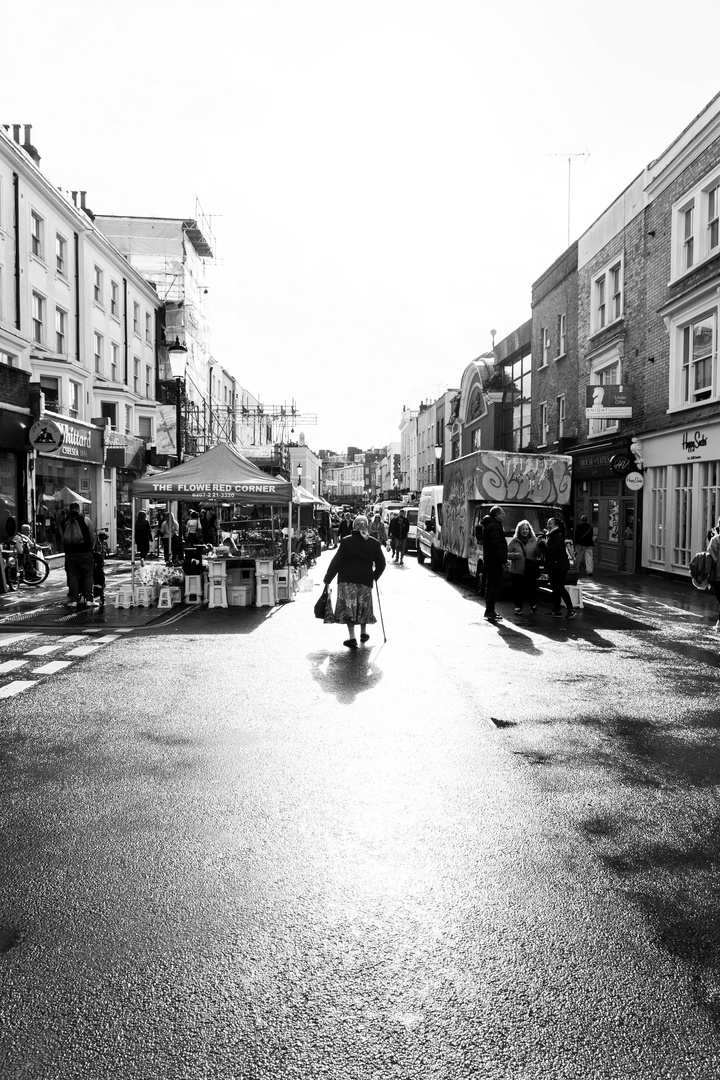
[(76, 240), (16, 200), (125, 322)]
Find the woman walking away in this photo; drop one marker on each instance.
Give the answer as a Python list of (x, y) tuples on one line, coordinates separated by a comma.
[(558, 564), (143, 535), (522, 553), (358, 562)]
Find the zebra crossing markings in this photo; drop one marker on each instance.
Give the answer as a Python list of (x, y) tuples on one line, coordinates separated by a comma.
[(92, 645)]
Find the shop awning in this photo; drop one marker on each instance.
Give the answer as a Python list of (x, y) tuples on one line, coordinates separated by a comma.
[(219, 475)]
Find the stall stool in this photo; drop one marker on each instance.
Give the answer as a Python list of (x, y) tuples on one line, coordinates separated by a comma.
[(144, 595), (217, 593), (265, 590), (169, 596), (124, 597), (193, 589), (282, 585)]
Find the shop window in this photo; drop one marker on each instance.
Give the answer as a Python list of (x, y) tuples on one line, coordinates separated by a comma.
[(710, 494), (658, 501), (682, 513)]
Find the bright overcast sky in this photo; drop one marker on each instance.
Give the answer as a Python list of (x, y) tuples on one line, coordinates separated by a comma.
[(386, 178)]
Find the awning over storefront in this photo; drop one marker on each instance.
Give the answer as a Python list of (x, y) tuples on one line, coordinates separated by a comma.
[(219, 475)]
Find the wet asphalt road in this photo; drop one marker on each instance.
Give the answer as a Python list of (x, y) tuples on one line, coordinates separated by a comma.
[(235, 850)]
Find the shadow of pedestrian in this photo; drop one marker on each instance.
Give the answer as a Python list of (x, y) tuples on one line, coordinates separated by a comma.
[(345, 674), (514, 638)]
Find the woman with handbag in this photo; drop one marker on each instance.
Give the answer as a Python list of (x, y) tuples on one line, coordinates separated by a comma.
[(357, 563)]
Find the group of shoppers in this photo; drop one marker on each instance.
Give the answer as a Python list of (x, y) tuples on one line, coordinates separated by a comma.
[(524, 553)]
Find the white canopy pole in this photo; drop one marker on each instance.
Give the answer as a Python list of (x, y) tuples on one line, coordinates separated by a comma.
[(132, 544), (290, 518)]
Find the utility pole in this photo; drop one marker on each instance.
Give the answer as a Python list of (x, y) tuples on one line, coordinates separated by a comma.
[(585, 154)]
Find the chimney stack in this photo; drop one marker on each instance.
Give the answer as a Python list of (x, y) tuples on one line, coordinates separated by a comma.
[(16, 132), (84, 207)]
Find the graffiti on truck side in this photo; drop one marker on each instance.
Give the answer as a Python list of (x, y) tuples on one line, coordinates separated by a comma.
[(518, 478)]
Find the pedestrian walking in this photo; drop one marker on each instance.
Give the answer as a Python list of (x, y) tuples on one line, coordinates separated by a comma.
[(378, 530), (558, 564), (143, 535), (169, 537), (78, 544), (714, 553), (495, 556), (193, 529), (346, 527), (524, 568), (358, 563), (399, 529), (584, 542)]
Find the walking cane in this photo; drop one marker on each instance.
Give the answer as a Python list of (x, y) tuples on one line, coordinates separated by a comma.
[(382, 622)]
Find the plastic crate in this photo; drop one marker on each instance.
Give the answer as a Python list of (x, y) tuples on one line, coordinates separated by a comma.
[(239, 595)]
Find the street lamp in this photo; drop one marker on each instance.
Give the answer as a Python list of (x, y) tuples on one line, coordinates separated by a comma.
[(177, 355), (438, 459)]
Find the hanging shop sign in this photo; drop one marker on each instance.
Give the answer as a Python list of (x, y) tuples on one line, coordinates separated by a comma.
[(612, 401), (46, 436), (634, 481), (622, 464)]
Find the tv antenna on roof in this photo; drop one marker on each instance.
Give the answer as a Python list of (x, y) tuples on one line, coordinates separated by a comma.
[(585, 154)]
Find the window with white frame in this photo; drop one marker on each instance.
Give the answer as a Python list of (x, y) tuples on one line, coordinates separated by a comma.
[(97, 285), (544, 426), (38, 318), (136, 374), (605, 374), (50, 386), (36, 234), (128, 420), (607, 296), (562, 335), (114, 360), (696, 225), (561, 415), (74, 403), (148, 327), (60, 331), (98, 350), (136, 318), (544, 345), (61, 255), (148, 381), (115, 299), (698, 356)]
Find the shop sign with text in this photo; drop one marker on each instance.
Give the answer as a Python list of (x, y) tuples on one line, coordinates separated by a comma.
[(607, 402), (81, 443)]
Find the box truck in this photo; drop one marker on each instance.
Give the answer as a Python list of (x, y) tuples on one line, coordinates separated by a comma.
[(532, 487)]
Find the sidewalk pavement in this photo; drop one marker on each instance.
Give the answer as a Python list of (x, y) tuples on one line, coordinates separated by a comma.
[(677, 592)]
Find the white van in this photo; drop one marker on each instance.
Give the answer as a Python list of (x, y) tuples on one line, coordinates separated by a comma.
[(429, 524)]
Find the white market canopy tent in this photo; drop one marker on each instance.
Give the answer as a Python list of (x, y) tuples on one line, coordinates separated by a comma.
[(219, 475), (303, 497)]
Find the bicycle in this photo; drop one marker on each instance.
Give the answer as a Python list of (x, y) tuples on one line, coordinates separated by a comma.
[(28, 569)]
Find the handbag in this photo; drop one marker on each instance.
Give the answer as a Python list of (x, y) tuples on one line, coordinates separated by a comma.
[(321, 603)]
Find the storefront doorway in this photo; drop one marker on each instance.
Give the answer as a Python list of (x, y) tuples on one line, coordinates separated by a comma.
[(613, 516)]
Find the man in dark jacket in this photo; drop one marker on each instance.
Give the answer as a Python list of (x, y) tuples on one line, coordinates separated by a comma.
[(398, 531), (584, 541), (78, 542), (495, 555)]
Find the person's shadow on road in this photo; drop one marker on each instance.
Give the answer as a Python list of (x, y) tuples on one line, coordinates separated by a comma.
[(345, 674)]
